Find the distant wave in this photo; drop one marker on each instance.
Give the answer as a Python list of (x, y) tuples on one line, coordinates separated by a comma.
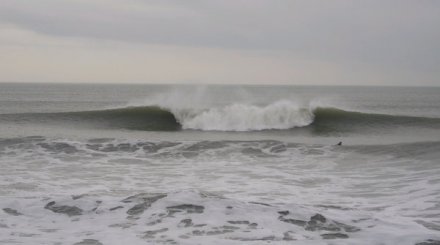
[(280, 115)]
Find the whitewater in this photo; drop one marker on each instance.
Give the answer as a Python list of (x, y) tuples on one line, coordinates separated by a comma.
[(239, 117), (194, 113), (112, 164)]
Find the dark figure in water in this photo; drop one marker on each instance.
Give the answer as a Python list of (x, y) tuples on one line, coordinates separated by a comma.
[(340, 143)]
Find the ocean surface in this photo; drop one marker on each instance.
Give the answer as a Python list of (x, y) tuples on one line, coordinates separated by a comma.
[(168, 164)]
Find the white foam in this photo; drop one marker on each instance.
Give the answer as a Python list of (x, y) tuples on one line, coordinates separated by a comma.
[(391, 200), (241, 117), (195, 110)]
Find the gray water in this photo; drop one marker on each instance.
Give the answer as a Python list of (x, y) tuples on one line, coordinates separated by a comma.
[(231, 164)]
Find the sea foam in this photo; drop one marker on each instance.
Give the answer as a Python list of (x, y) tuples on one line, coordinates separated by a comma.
[(195, 112), (241, 117)]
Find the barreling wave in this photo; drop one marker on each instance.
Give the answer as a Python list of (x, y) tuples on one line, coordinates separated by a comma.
[(281, 115)]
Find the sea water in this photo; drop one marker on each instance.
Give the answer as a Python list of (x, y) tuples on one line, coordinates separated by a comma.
[(169, 164)]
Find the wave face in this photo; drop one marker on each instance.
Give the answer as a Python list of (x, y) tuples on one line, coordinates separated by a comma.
[(137, 118), (337, 120), (148, 118), (280, 115)]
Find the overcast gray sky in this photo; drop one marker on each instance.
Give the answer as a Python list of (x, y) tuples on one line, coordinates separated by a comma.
[(375, 42)]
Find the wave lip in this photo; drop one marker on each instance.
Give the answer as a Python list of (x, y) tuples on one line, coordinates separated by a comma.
[(241, 117)]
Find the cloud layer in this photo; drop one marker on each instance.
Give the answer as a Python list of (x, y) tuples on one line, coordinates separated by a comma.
[(254, 41)]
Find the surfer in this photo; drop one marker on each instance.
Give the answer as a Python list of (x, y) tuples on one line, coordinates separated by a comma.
[(340, 143)]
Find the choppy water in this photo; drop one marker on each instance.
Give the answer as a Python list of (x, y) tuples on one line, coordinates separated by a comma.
[(112, 164)]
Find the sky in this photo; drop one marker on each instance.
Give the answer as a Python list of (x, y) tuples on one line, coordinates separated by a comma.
[(309, 42)]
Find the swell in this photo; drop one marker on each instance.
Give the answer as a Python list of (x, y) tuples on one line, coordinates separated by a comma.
[(277, 116), (334, 119)]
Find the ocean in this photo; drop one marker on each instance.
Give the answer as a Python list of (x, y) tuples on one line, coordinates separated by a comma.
[(219, 164)]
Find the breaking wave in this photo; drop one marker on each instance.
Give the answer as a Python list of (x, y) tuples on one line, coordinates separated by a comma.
[(280, 115), (241, 117)]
